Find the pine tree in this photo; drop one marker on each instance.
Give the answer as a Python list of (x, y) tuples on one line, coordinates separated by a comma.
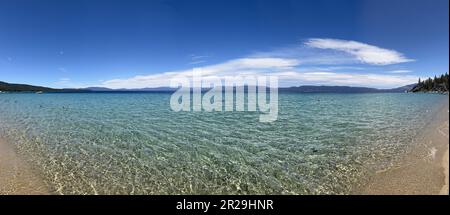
[(438, 83)]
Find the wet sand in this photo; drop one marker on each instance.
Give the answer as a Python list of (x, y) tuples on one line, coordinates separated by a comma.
[(424, 170), (16, 177)]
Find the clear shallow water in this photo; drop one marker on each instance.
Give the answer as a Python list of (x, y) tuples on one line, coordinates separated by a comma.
[(129, 143)]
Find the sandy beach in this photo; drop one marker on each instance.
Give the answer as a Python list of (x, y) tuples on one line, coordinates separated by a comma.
[(423, 171), (16, 177)]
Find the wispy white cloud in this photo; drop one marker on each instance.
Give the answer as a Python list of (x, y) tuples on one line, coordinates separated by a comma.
[(71, 83), (310, 63), (197, 62), (198, 59), (365, 53), (241, 66), (332, 68), (63, 82), (288, 75), (399, 71), (346, 79)]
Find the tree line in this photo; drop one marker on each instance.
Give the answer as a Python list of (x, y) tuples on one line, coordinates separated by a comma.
[(436, 84), (7, 87)]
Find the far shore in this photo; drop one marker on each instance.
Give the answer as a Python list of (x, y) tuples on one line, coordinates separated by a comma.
[(424, 170)]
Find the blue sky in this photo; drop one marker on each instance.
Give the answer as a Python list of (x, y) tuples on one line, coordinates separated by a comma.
[(130, 44)]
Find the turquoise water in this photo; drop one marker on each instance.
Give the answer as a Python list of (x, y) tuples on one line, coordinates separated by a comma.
[(132, 143)]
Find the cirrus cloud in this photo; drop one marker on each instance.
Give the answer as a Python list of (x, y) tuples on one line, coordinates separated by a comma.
[(241, 66), (298, 65), (399, 71), (365, 53)]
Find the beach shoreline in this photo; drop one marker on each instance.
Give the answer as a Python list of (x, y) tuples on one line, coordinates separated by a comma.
[(422, 171), (16, 176)]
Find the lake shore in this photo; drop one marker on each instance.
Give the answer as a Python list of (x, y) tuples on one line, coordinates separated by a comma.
[(422, 171), (16, 176)]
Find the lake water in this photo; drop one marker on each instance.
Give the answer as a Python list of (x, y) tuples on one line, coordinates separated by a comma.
[(132, 143)]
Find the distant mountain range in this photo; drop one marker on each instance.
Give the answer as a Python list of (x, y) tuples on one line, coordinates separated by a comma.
[(300, 89), (344, 89), (7, 87)]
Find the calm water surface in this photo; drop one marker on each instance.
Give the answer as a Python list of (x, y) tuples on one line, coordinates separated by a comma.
[(132, 143)]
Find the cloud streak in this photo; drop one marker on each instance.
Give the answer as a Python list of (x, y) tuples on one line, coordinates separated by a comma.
[(346, 79), (304, 64), (365, 53), (63, 82), (198, 59), (400, 71), (241, 66)]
